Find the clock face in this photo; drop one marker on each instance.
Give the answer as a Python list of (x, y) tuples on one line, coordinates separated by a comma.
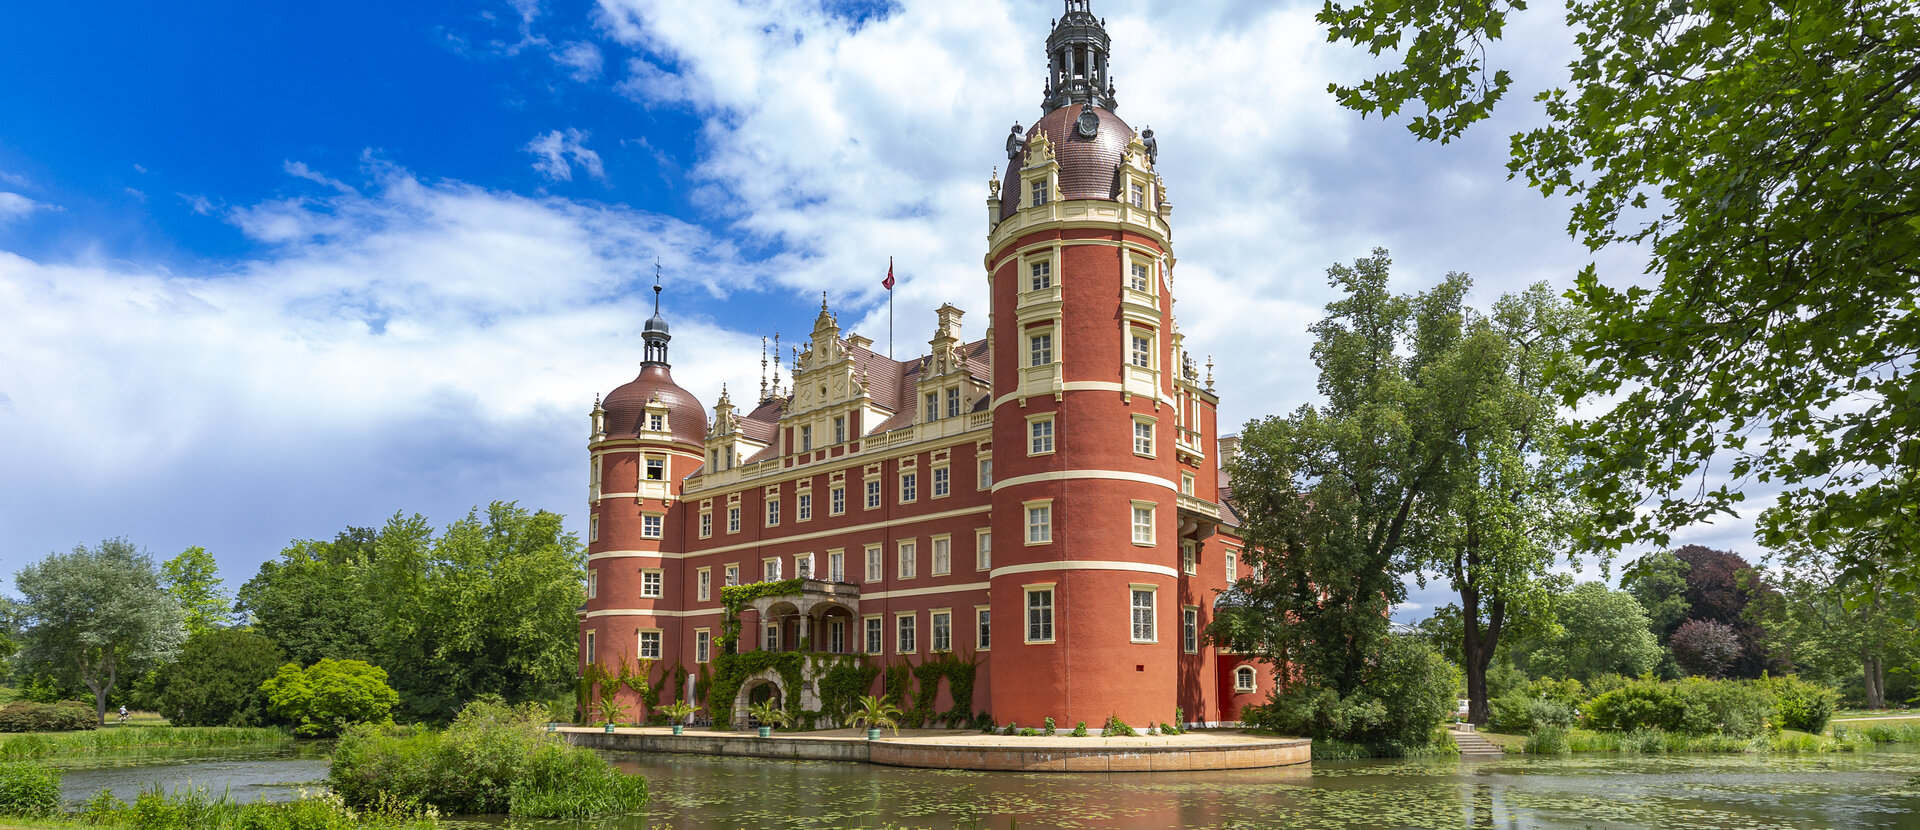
[(1088, 123)]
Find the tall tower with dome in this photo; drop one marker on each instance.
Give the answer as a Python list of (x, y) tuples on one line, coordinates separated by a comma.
[(1041, 504)]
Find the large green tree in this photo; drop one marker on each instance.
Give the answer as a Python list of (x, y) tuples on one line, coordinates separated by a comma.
[(317, 599), (1833, 625), (1768, 155), (216, 680), (1598, 631), (98, 614), (193, 578)]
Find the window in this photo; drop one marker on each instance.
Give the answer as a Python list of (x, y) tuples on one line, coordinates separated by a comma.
[(593, 528), (837, 501), (983, 549), (729, 458), (773, 512), (732, 576), (1040, 349), (1137, 194), (593, 582), (1039, 191), (953, 403), (983, 628), (873, 494), (1137, 275), (942, 481), (1142, 351), (837, 566), (873, 635), (1039, 524), (706, 524), (839, 429), (1189, 557), (1142, 438), (1186, 484), (733, 519), (933, 406), (1190, 629), (770, 569), (942, 555), (806, 438), (905, 636), (909, 559), (1040, 436), (942, 625), (909, 487), (1243, 680), (804, 510), (705, 584), (656, 469), (1040, 615), (1143, 615), (837, 636), (873, 563), (656, 422), (649, 645), (986, 473), (651, 525), (702, 645), (770, 639), (589, 647), (1233, 566), (652, 582), (1142, 525), (803, 566)]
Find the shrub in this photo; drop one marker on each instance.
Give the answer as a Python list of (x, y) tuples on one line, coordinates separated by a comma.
[(1079, 730), (1801, 705), (1547, 740), (64, 716), (1641, 704), (29, 789), (1029, 732), (1407, 690), (217, 679), (1050, 732), (1117, 728), (1739, 709), (1645, 741), (327, 696), (1522, 715), (1704, 647)]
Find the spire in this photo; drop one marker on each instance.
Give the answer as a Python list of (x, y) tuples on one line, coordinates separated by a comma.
[(655, 333), (1077, 61)]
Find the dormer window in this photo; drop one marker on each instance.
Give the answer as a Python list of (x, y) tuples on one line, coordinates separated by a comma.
[(953, 403), (933, 406), (1137, 194), (656, 422), (1040, 192)]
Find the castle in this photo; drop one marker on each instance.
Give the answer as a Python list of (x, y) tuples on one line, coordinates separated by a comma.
[(1043, 503)]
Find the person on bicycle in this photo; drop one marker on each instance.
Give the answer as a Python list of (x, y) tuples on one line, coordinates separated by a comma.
[(123, 714)]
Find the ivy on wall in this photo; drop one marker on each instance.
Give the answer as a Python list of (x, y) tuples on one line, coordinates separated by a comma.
[(735, 598)]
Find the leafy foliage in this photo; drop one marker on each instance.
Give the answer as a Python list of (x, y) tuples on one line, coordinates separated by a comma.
[(1705, 648), (326, 697), (1856, 630), (1407, 689), (1659, 581), (65, 716), (194, 581), (216, 680), (29, 789), (1598, 631), (317, 600), (97, 614), (1801, 705)]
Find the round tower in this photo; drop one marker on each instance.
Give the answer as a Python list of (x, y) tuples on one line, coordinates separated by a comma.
[(1085, 584)]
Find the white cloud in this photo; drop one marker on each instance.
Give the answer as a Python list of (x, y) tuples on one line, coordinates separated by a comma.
[(14, 207), (556, 152), (582, 57)]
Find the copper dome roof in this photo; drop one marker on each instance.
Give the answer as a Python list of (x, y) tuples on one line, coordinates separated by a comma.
[(627, 406), (1089, 167)]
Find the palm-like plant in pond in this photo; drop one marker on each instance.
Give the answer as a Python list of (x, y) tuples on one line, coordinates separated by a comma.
[(769, 715), (875, 713)]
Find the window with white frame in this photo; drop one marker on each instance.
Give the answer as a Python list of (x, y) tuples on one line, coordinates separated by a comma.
[(652, 525), (590, 646), (732, 576), (1039, 523), (1137, 275), (1142, 524), (1233, 566), (837, 566), (839, 429), (953, 403), (942, 555), (1039, 190), (909, 559), (770, 569), (1040, 436), (1243, 680), (1040, 349), (1040, 615), (704, 584), (983, 549), (706, 524), (941, 624), (656, 422), (933, 406), (1143, 438), (1143, 614), (1189, 557), (649, 645), (986, 474), (652, 583), (806, 437), (873, 563), (1136, 194), (837, 501), (1190, 629), (874, 628), (803, 510), (656, 468), (909, 487), (1186, 484), (983, 628), (906, 634), (837, 636), (773, 512), (873, 494), (733, 519), (803, 566), (770, 637), (702, 645), (1140, 351), (593, 528), (593, 583), (942, 481)]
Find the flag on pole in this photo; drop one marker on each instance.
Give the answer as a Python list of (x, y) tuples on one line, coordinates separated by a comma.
[(888, 282)]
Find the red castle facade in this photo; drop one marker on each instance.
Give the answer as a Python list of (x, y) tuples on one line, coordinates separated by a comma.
[(1045, 501)]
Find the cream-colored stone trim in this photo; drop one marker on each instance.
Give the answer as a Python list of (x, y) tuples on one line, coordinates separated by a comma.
[(1066, 475), (648, 612), (802, 537), (1083, 565), (921, 592)]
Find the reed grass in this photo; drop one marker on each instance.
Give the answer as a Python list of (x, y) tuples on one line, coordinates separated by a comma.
[(44, 744), (198, 809)]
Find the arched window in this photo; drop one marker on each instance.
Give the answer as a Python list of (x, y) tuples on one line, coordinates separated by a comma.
[(1243, 679)]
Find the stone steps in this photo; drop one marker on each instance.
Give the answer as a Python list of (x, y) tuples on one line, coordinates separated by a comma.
[(1472, 744)]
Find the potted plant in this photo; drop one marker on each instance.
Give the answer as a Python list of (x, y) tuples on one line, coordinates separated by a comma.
[(769, 717), (611, 711), (875, 713), (677, 712)]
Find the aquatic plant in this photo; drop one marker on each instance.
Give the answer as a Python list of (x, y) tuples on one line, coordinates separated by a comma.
[(18, 747), (28, 789)]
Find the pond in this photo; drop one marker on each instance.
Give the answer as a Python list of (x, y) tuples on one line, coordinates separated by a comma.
[(245, 774), (1863, 790)]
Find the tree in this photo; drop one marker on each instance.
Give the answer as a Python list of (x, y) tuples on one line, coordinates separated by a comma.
[(1769, 156), (94, 615), (1659, 582), (193, 578), (317, 600), (1599, 631), (1833, 624), (326, 697), (1705, 648), (216, 681), (1720, 587)]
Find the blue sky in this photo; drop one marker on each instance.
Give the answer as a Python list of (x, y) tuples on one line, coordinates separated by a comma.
[(269, 270)]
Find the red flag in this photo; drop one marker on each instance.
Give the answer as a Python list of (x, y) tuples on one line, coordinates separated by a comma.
[(888, 282)]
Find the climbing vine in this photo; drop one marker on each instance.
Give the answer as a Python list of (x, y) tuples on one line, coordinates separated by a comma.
[(735, 598)]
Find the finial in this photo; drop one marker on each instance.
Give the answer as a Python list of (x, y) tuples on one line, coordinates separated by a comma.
[(656, 286), (1209, 373), (776, 364), (763, 367), (823, 301)]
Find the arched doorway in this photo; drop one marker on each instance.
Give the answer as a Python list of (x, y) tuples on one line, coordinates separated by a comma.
[(762, 687)]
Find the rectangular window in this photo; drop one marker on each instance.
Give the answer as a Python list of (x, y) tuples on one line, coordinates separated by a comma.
[(837, 636), (1040, 436), (651, 525), (589, 647), (1142, 438), (1039, 615), (983, 628), (705, 583), (1039, 524), (1142, 351), (1137, 194), (942, 555), (837, 501), (1190, 629), (803, 566), (702, 645), (905, 640), (873, 494), (1040, 350), (839, 429), (733, 519), (1186, 484), (942, 481), (770, 638), (593, 583), (770, 570), (1039, 191), (773, 513), (837, 566), (1189, 558), (909, 487), (656, 469), (909, 559), (732, 576), (953, 403), (804, 510), (1233, 566), (873, 635), (593, 528), (873, 563), (656, 422), (806, 438), (652, 583), (983, 549), (649, 645), (1143, 615), (1142, 525), (1137, 276), (933, 406), (942, 625), (706, 525), (986, 473)]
